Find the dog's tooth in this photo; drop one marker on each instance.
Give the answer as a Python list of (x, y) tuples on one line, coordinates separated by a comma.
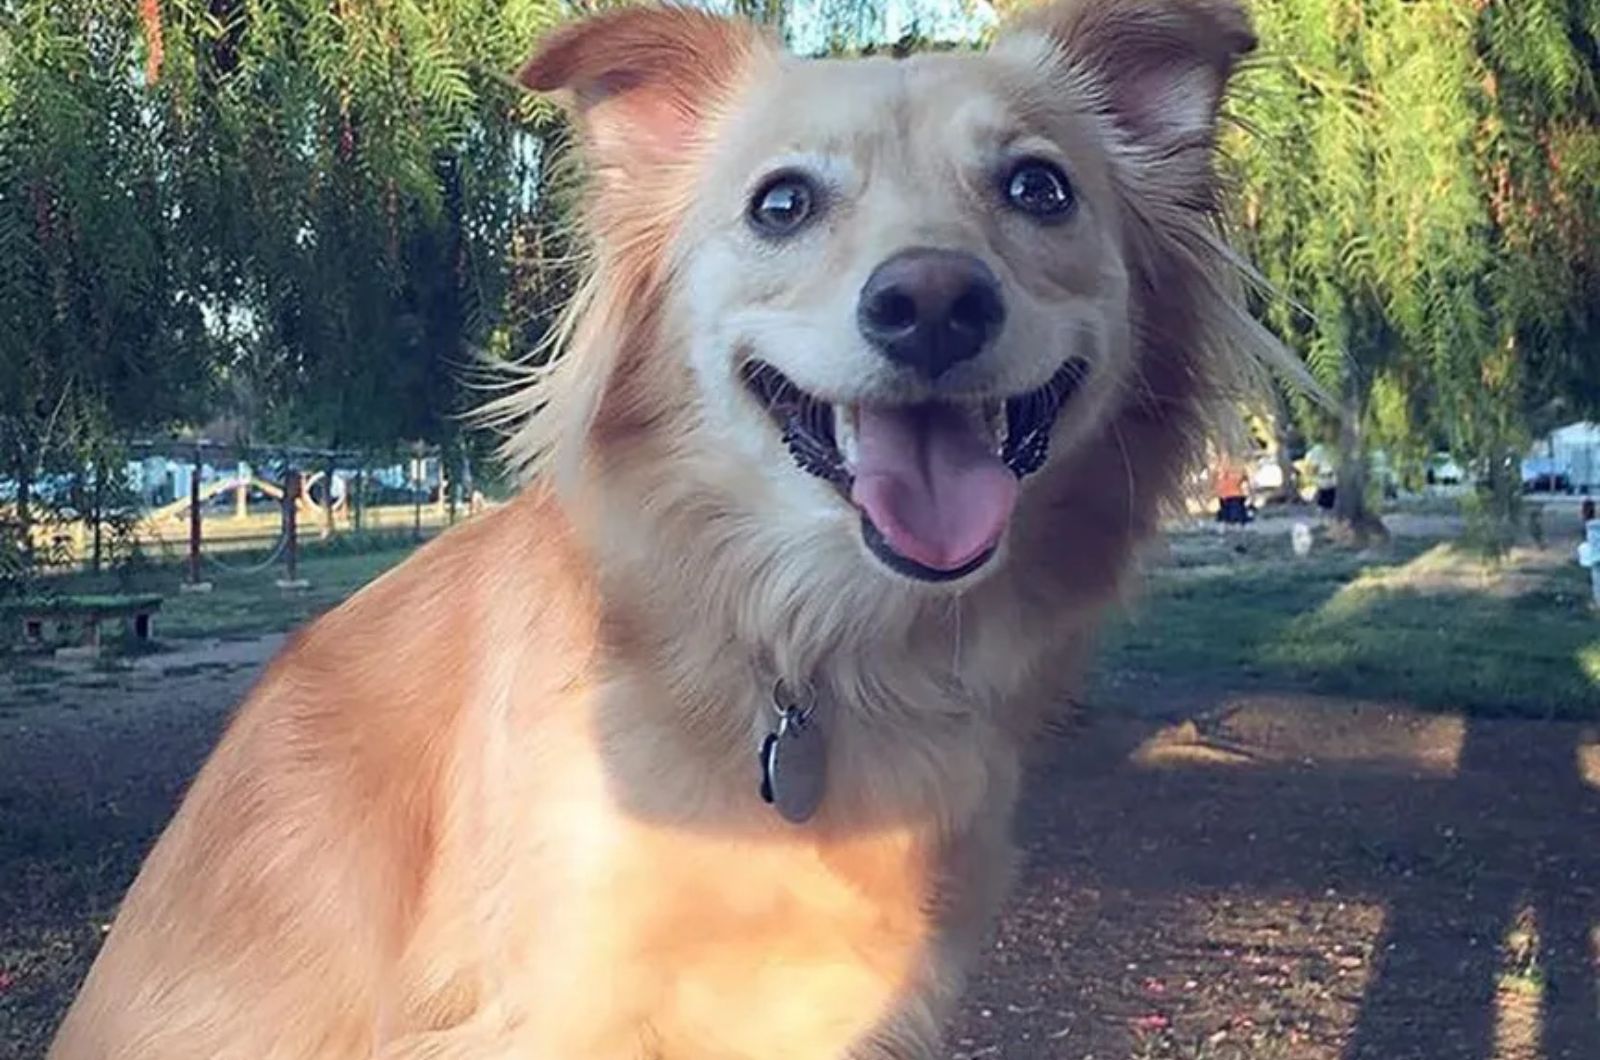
[(994, 417), (844, 433)]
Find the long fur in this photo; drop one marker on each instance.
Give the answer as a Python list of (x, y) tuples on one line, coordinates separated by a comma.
[(502, 803)]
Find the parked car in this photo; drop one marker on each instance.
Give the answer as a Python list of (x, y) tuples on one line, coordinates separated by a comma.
[(1541, 475), (1444, 471)]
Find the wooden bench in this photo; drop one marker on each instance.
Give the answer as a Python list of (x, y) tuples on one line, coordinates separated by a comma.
[(88, 611)]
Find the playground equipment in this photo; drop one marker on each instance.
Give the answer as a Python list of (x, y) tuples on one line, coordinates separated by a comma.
[(306, 490), (240, 484), (294, 496)]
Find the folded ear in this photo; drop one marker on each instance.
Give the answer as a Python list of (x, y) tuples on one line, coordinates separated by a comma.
[(642, 81), (1162, 64)]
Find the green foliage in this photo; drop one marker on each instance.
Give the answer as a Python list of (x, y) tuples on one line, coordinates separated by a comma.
[(316, 215), (1418, 178), (306, 215), (100, 329), (368, 168)]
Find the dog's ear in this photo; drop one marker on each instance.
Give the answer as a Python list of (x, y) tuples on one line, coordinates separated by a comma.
[(1162, 64), (642, 81)]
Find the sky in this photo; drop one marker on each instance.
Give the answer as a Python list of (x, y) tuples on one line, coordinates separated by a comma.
[(947, 19)]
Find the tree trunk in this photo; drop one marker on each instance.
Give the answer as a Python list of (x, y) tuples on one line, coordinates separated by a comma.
[(25, 506), (96, 507), (453, 498), (1354, 521), (1282, 441), (1497, 513)]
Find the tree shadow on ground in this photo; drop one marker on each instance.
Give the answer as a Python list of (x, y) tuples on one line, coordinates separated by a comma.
[(1239, 889), (1290, 876)]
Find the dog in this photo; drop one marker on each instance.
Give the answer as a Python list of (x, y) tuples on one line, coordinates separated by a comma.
[(707, 745)]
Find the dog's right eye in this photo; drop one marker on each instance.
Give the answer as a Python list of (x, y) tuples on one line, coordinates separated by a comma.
[(782, 205), (1039, 188)]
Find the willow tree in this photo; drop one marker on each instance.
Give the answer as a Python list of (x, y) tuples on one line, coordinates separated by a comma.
[(1413, 188), (315, 208), (1540, 162), (100, 329), (365, 172)]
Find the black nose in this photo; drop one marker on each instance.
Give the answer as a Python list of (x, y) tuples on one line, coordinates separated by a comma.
[(929, 309)]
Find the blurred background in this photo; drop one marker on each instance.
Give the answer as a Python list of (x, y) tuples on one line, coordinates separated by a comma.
[(258, 258), (243, 237)]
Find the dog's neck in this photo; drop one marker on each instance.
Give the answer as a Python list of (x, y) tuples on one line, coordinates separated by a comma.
[(923, 699)]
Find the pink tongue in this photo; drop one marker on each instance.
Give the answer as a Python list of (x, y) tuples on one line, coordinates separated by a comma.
[(931, 484)]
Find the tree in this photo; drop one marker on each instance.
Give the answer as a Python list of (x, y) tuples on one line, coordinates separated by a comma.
[(100, 333), (312, 210), (1539, 161), (1393, 157), (379, 163)]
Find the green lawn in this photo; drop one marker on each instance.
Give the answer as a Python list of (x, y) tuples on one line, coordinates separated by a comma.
[(247, 604), (1419, 621)]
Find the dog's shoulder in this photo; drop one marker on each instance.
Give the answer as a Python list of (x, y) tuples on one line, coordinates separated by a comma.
[(519, 564)]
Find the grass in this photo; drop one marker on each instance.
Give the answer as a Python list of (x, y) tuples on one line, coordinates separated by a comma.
[(250, 604), (1418, 621)]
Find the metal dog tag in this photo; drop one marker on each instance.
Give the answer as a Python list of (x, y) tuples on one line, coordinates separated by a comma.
[(794, 764)]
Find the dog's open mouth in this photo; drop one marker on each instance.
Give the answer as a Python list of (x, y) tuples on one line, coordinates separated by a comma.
[(935, 482)]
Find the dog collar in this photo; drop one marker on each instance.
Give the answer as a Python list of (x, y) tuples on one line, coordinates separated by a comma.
[(794, 756)]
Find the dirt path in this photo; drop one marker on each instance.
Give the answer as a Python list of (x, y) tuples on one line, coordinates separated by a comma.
[(1209, 877)]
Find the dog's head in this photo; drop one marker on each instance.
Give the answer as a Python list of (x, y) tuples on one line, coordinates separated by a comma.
[(883, 298)]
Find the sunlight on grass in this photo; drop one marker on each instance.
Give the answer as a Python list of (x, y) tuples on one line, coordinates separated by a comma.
[(1439, 564), (1589, 763), (1519, 994), (1448, 630), (1415, 622), (1589, 662), (1444, 568)]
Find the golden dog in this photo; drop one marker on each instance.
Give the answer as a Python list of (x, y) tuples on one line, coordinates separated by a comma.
[(707, 746)]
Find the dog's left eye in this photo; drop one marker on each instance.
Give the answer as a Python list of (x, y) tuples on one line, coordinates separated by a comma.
[(782, 205), (1039, 188)]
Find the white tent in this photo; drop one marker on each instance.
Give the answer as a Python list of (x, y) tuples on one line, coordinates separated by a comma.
[(1575, 449)]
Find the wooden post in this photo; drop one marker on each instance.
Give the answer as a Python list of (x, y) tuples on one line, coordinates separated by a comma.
[(241, 492), (291, 498), (444, 485), (195, 584), (291, 544), (24, 476), (194, 519), (456, 486), (99, 505), (416, 498), (327, 498)]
